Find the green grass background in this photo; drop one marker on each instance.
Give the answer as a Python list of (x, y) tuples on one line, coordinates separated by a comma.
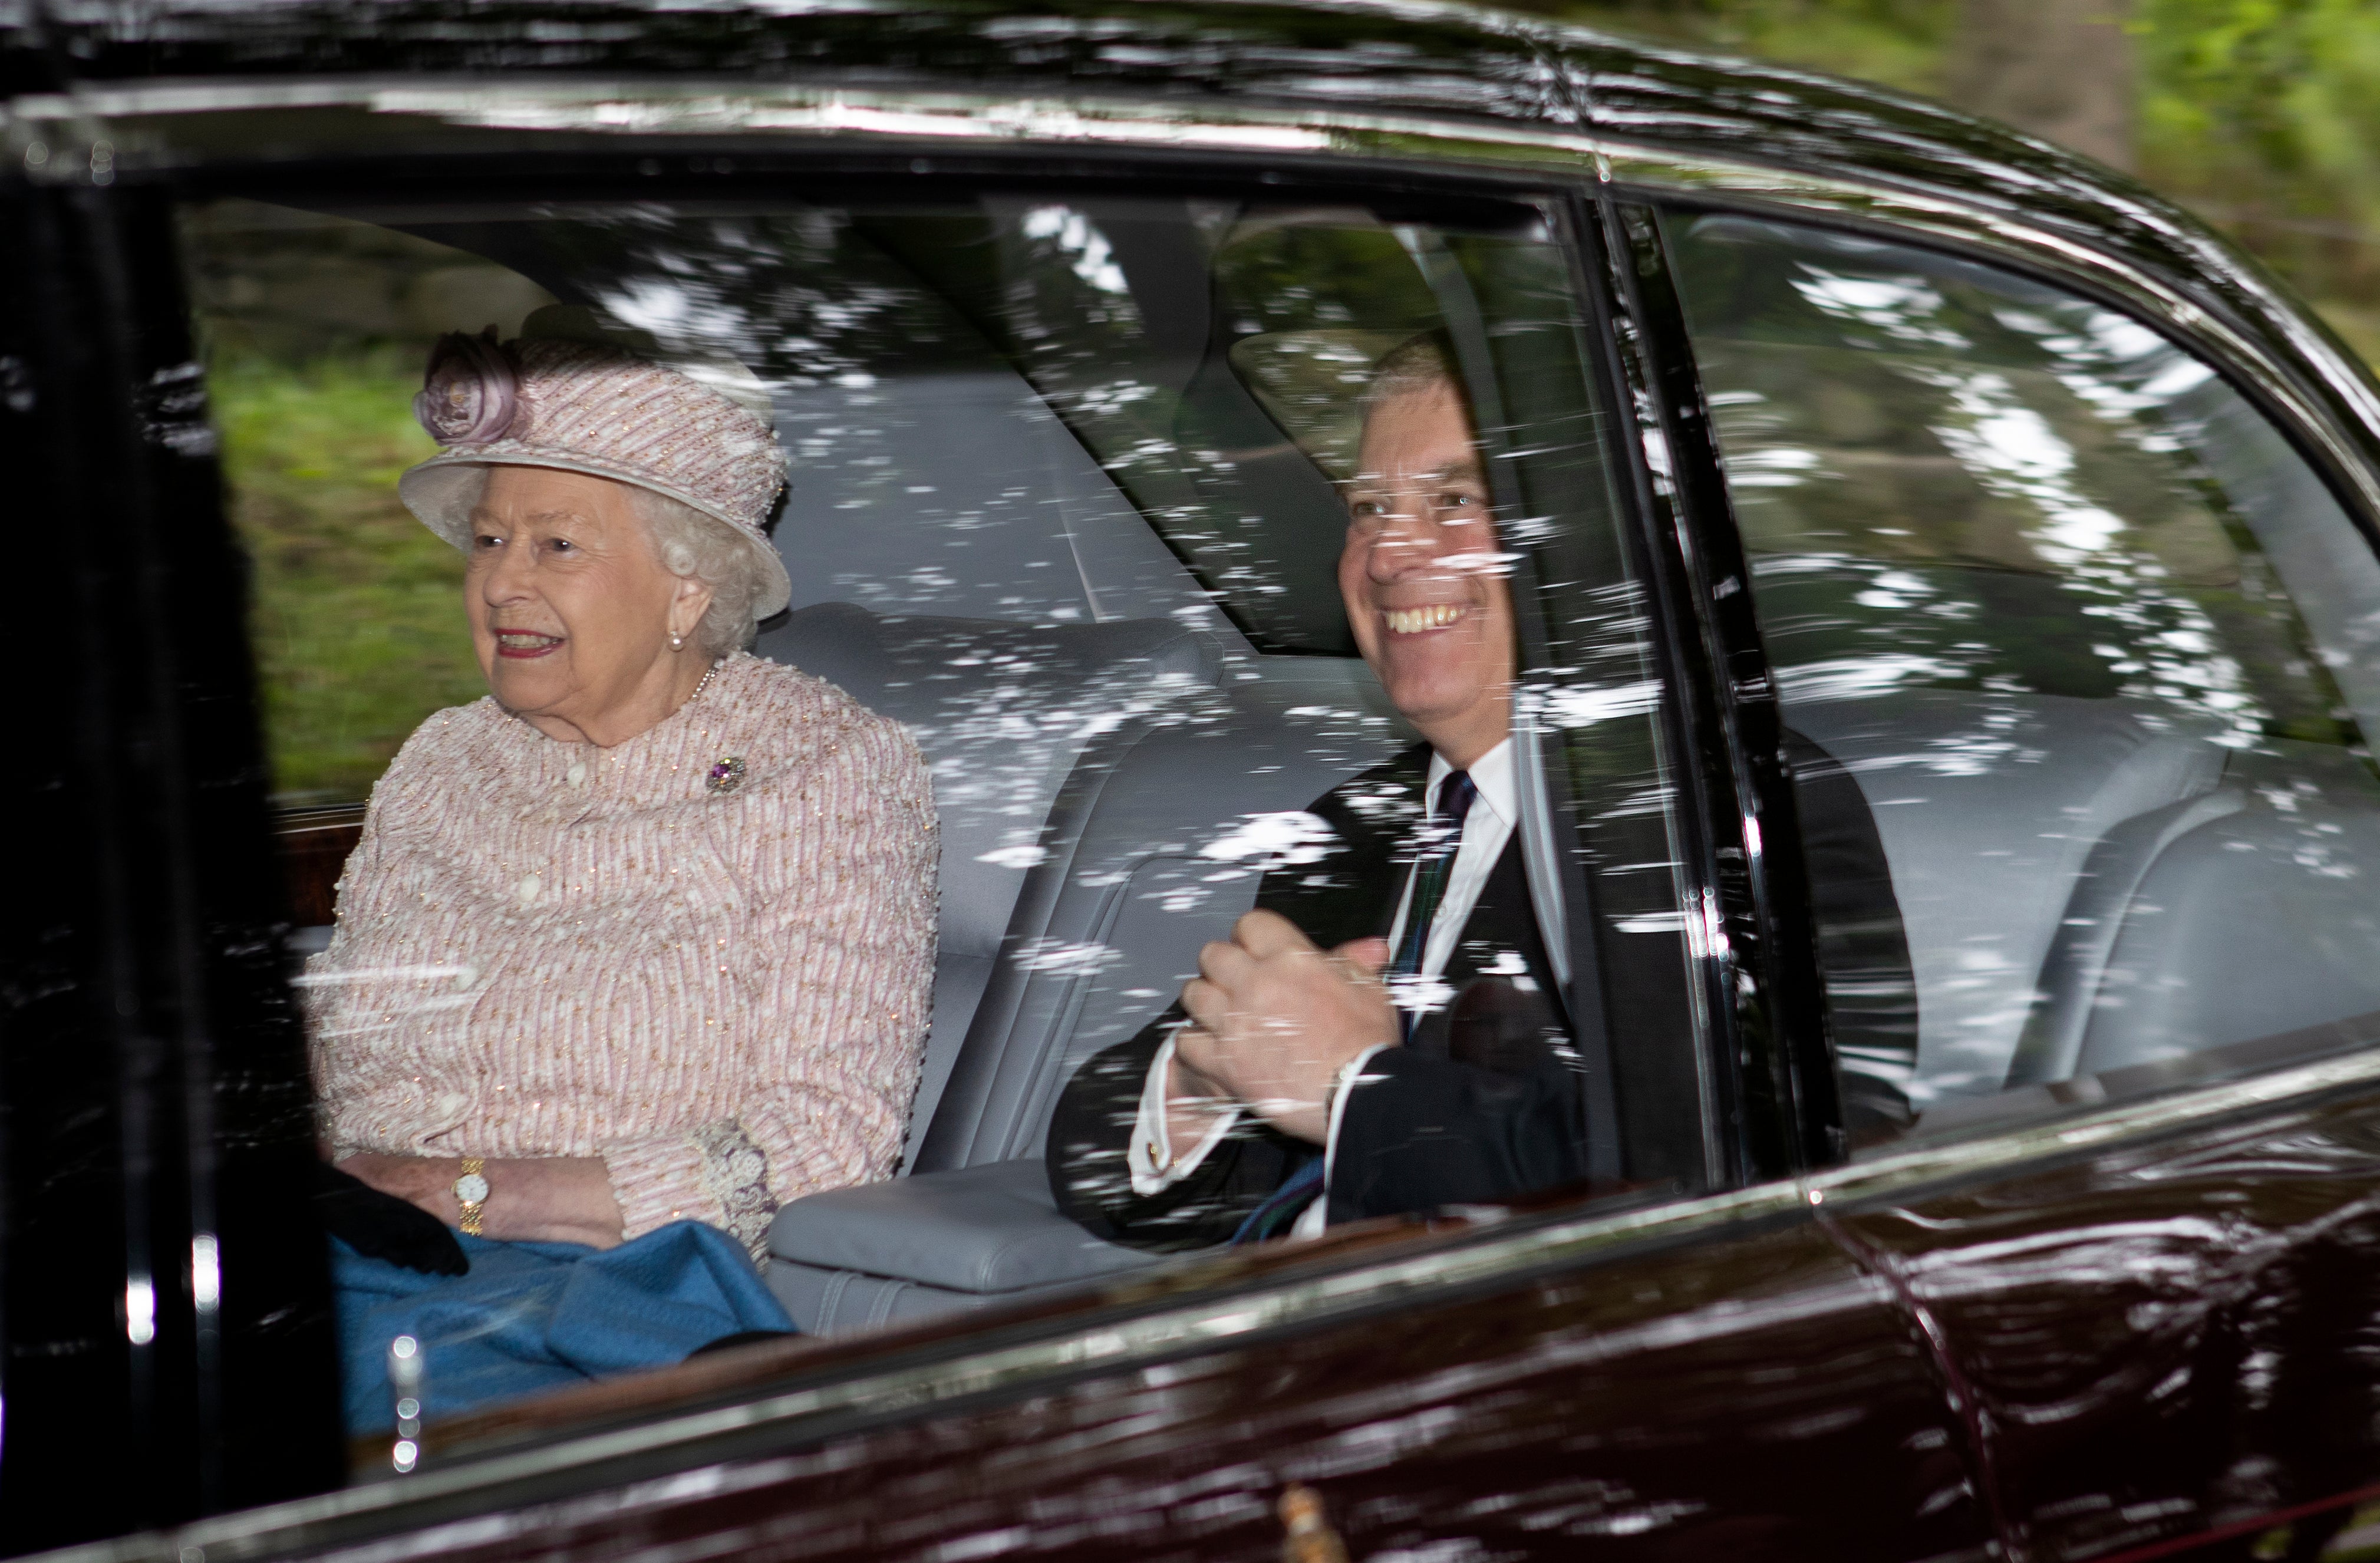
[(358, 624)]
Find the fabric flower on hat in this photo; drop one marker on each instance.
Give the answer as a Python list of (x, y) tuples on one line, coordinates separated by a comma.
[(573, 394), (471, 391)]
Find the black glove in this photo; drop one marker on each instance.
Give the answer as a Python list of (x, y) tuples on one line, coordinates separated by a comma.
[(384, 1227)]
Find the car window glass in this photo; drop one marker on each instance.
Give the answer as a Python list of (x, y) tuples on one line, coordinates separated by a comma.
[(1067, 503), (315, 330), (1171, 348), (2074, 651)]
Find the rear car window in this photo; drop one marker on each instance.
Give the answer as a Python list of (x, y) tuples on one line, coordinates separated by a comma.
[(2066, 627)]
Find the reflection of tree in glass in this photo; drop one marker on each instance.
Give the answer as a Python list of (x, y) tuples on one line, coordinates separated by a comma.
[(1310, 270), (1122, 315), (790, 295), (1312, 383), (1310, 301), (1947, 487)]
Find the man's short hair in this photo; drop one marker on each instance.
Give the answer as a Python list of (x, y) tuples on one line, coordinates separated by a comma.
[(1419, 363)]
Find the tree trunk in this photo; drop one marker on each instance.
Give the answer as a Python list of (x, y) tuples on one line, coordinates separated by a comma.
[(2062, 69)]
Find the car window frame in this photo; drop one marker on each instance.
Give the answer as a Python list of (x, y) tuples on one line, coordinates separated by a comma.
[(1762, 966), (2317, 1053)]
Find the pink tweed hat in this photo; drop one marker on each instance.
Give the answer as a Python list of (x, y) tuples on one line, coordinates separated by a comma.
[(565, 395)]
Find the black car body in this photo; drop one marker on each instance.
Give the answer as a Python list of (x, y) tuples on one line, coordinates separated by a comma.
[(2111, 1292)]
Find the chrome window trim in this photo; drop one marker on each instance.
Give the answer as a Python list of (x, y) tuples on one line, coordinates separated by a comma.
[(656, 109), (88, 134), (2077, 1133)]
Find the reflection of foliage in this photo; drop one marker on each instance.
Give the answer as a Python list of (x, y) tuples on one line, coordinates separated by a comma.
[(1900, 43), (791, 296), (1317, 274), (358, 620), (1951, 481), (1309, 307), (1312, 383)]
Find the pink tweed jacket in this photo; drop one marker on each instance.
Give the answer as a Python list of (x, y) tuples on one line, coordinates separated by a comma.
[(547, 949)]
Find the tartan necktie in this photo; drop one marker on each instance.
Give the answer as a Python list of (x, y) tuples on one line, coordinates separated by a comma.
[(1432, 869)]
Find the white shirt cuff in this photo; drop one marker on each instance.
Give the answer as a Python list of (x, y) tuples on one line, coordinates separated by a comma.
[(1314, 1217), (1149, 1158)]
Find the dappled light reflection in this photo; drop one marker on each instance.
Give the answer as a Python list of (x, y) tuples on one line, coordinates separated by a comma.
[(2081, 629)]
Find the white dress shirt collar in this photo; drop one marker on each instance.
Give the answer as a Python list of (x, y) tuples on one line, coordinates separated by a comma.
[(1491, 774)]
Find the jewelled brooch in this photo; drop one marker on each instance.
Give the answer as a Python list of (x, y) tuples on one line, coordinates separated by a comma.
[(726, 776)]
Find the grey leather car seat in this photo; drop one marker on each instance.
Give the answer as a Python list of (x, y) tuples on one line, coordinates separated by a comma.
[(1001, 710), (2237, 917), (1138, 867), (2091, 885), (2003, 818)]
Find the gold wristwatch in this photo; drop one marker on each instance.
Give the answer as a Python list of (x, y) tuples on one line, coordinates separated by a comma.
[(471, 1192)]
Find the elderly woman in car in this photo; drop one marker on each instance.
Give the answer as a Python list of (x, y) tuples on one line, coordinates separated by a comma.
[(645, 938)]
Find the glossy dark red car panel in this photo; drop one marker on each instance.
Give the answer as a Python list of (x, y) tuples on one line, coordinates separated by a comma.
[(2164, 1337), (1590, 1408)]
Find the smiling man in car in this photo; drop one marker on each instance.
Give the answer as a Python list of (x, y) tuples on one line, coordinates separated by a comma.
[(1382, 1034)]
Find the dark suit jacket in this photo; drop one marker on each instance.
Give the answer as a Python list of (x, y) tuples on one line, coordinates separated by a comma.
[(1482, 1104)]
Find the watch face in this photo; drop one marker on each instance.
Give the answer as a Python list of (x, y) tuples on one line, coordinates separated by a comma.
[(470, 1188)]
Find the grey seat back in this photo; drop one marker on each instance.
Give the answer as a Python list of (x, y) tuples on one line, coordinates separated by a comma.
[(1990, 808), (1001, 710), (2248, 917), (1154, 846), (1165, 822)]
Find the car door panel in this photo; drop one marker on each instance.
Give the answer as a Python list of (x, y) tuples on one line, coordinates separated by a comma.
[(1732, 1390), (2173, 1335)]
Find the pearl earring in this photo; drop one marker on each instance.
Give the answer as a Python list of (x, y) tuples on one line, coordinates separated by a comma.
[(677, 642)]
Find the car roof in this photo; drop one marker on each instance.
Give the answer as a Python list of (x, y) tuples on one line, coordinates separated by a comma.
[(1448, 62), (1443, 59)]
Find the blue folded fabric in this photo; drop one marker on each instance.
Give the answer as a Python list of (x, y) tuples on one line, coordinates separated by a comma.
[(539, 1316)]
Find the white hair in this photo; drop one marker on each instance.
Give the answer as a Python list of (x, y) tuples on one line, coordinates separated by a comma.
[(691, 544)]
